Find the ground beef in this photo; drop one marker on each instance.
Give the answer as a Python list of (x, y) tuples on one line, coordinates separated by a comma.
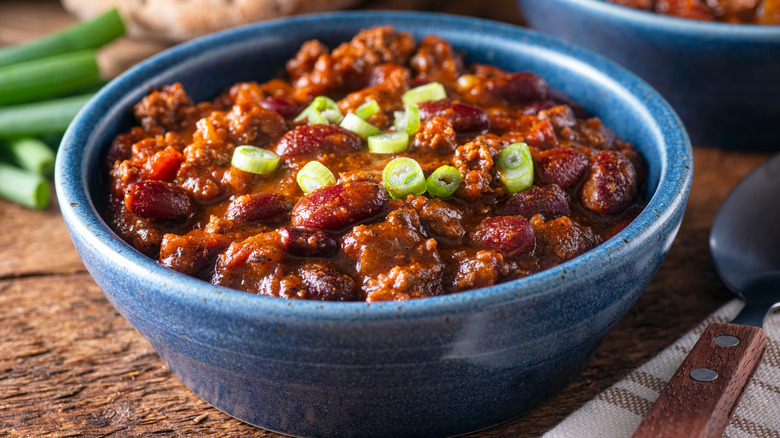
[(562, 238), (731, 11), (174, 194), (479, 269), (474, 161), (395, 260)]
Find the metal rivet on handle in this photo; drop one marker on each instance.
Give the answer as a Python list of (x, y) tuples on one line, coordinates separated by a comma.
[(704, 375), (726, 341)]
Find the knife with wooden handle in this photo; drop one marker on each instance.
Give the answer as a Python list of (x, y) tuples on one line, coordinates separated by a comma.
[(705, 390)]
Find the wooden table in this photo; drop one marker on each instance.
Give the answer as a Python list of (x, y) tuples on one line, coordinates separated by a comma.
[(70, 365)]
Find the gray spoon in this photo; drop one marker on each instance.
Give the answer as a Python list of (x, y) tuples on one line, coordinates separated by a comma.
[(745, 246)]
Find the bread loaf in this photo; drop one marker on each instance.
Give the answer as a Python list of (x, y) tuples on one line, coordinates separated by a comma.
[(179, 20)]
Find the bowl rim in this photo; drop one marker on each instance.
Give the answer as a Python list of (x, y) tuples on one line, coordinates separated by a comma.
[(84, 221), (707, 30)]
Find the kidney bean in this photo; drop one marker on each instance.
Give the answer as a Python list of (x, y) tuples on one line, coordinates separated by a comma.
[(259, 207), (564, 167), (521, 87), (327, 284), (159, 201), (304, 242), (336, 207), (549, 201), (312, 139), (284, 106), (512, 235), (464, 118), (611, 185)]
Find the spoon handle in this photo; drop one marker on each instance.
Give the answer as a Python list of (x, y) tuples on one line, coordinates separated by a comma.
[(705, 390)]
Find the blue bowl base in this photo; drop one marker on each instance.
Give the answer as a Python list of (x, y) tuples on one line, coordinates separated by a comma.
[(380, 411)]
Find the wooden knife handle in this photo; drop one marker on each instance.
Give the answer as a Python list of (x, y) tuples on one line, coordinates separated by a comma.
[(699, 408)]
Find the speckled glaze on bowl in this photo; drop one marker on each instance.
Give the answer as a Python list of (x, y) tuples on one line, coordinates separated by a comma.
[(428, 367), (722, 79)]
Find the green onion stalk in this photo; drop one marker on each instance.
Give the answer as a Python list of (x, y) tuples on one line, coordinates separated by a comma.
[(91, 34), (29, 153), (45, 117), (24, 187), (52, 76)]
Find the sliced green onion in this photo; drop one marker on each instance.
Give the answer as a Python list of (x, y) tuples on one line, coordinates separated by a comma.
[(332, 115), (359, 126), (24, 187), (30, 119), (321, 110), (424, 93), (403, 176), (31, 154), (388, 143), (47, 77), (91, 34), (367, 110), (408, 120), (314, 175), (516, 167), (254, 160), (443, 182), (316, 118)]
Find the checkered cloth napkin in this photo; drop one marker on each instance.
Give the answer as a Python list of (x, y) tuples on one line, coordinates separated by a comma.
[(616, 412)]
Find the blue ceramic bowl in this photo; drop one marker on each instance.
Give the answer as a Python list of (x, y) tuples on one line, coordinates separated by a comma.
[(428, 367), (722, 79)]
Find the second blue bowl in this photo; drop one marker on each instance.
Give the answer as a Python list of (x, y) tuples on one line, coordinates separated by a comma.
[(722, 79)]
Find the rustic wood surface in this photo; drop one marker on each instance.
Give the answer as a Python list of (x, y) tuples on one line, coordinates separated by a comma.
[(70, 365)]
